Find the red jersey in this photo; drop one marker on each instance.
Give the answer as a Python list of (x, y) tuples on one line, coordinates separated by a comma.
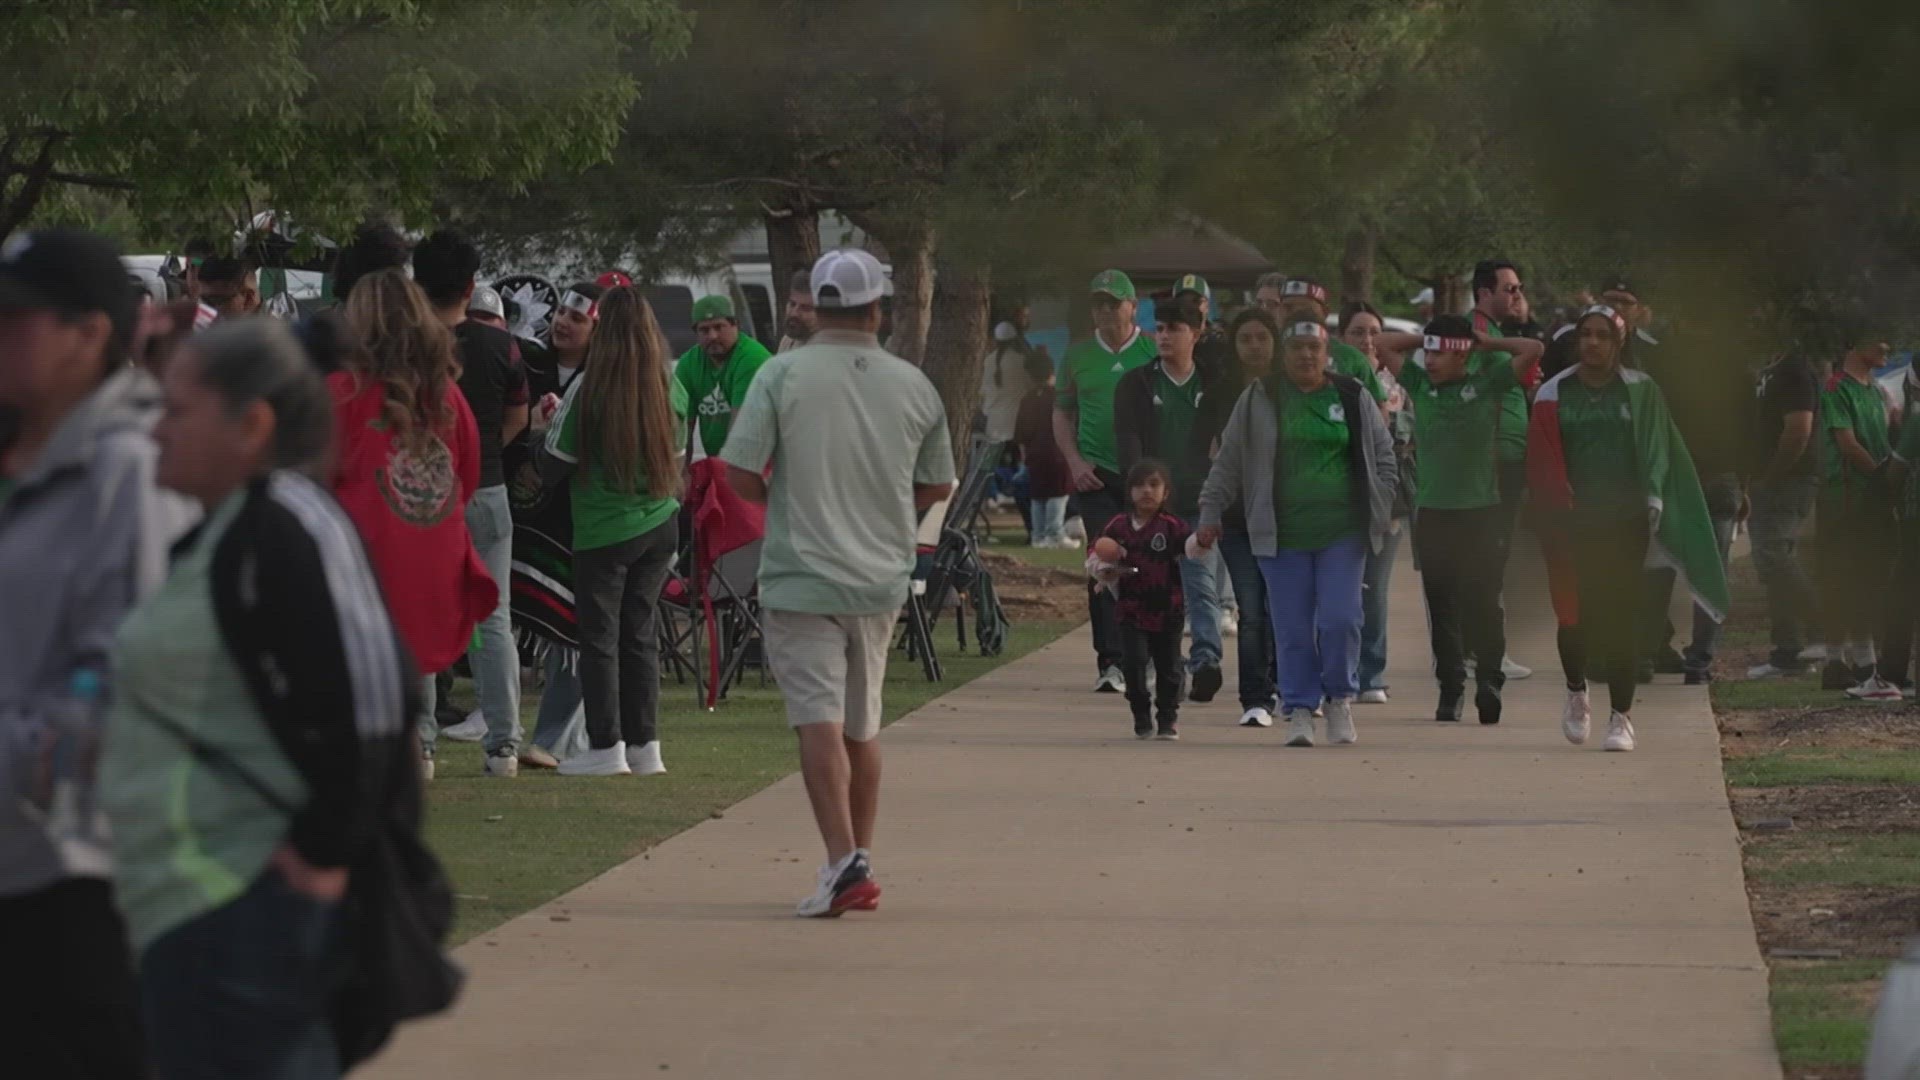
[(1150, 596), (409, 505)]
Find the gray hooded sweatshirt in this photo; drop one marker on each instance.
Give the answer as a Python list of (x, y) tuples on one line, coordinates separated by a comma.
[(84, 534)]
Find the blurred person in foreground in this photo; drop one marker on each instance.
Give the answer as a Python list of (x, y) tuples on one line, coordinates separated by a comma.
[(83, 537), (406, 464), (1612, 485), (852, 434), (259, 719), (495, 385)]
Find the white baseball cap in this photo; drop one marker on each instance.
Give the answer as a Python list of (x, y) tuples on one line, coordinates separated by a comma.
[(486, 301), (848, 278)]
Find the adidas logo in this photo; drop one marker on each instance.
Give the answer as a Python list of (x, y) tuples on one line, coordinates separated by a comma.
[(1118, 366)]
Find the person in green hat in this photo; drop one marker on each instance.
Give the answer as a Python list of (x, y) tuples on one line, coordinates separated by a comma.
[(1083, 426), (716, 372)]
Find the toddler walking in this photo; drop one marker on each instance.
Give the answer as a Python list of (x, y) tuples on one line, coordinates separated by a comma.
[(1138, 558)]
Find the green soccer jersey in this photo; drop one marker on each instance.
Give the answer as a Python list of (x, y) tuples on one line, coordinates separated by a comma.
[(1177, 405), (1456, 434), (1314, 503), (715, 392), (1596, 434), (1849, 404), (1351, 362), (1090, 373), (604, 515)]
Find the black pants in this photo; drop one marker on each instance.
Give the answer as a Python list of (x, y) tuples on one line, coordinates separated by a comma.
[(1855, 542), (1162, 649), (1656, 625), (1096, 509), (1461, 563), (617, 597), (1609, 553), (71, 1012), (1896, 637)]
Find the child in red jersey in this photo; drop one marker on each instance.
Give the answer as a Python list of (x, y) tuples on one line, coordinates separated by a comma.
[(1145, 574)]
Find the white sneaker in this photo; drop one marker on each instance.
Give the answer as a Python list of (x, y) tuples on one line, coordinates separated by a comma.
[(1256, 717), (503, 763), (1876, 689), (1514, 671), (426, 768), (472, 729), (1373, 697), (1814, 654), (1300, 727), (1110, 682), (1229, 623), (1340, 730), (1769, 671), (841, 887), (1576, 722), (1619, 733), (645, 760), (609, 762)]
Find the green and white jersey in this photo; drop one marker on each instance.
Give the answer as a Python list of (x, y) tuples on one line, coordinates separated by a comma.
[(1089, 375), (1456, 429), (716, 391)]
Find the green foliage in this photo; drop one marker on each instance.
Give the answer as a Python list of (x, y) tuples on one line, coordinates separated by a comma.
[(323, 108)]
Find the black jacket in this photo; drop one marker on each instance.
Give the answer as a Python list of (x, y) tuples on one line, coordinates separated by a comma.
[(1136, 420)]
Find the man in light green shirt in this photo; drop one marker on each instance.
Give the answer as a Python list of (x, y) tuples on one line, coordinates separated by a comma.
[(858, 445)]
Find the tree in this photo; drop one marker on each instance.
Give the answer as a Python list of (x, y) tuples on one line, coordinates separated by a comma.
[(203, 113)]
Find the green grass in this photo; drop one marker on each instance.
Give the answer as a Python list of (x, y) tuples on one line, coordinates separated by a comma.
[(512, 845), (1797, 693), (1798, 768), (1823, 1012), (1834, 858), (1074, 559)]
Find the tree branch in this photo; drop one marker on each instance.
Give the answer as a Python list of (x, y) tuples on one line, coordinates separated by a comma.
[(57, 177)]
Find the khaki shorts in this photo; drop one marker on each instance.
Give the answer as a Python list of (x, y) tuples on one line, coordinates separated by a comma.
[(830, 667)]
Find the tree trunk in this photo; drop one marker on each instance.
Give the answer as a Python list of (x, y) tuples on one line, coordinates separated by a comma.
[(957, 347), (912, 252), (1450, 295), (1356, 265), (793, 243)]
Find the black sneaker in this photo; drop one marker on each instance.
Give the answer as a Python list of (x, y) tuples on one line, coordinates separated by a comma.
[(1487, 701), (1699, 676), (1142, 728), (1647, 671), (1167, 733), (1452, 703), (1206, 683), (1837, 675)]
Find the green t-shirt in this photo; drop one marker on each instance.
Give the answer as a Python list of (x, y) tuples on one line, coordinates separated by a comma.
[(716, 393), (1090, 373), (1858, 407), (1456, 432), (1353, 363), (1596, 434), (603, 515), (1177, 405), (1314, 503)]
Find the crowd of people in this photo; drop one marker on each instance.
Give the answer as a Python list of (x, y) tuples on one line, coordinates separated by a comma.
[(242, 557)]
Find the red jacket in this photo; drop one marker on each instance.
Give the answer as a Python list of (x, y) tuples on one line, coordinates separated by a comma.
[(410, 509)]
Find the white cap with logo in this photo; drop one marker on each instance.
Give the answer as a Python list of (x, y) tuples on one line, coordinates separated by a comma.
[(486, 301), (849, 278)]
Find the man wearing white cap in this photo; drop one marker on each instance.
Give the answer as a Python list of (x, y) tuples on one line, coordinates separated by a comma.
[(858, 445)]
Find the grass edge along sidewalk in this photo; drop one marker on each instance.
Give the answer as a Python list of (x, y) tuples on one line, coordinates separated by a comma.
[(511, 845), (1814, 884)]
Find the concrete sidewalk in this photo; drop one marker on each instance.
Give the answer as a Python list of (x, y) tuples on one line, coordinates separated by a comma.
[(1062, 901)]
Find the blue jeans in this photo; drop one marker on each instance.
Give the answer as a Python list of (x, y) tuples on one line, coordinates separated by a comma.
[(496, 664), (244, 989), (561, 729), (1781, 511), (1050, 520), (1198, 581), (1255, 644), (1315, 600), (1377, 583)]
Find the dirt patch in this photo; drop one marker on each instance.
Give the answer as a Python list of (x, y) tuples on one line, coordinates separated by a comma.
[(1857, 922), (1744, 732), (1845, 809), (1037, 592)]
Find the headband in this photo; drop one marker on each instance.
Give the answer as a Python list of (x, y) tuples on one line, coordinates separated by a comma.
[(1614, 317), (204, 316), (585, 305), (1303, 287), (1434, 343), (1305, 330)]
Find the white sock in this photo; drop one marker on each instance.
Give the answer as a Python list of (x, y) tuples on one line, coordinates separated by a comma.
[(1862, 655)]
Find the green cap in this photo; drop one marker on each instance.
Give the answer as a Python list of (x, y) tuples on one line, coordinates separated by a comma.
[(1193, 283), (709, 308), (1115, 284)]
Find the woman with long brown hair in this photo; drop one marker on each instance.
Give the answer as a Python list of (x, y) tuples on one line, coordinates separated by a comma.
[(621, 430), (407, 461)]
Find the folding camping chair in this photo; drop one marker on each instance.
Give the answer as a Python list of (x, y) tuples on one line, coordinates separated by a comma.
[(953, 568), (679, 621)]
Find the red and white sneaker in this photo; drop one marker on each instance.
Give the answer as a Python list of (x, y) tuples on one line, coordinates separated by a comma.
[(844, 886)]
